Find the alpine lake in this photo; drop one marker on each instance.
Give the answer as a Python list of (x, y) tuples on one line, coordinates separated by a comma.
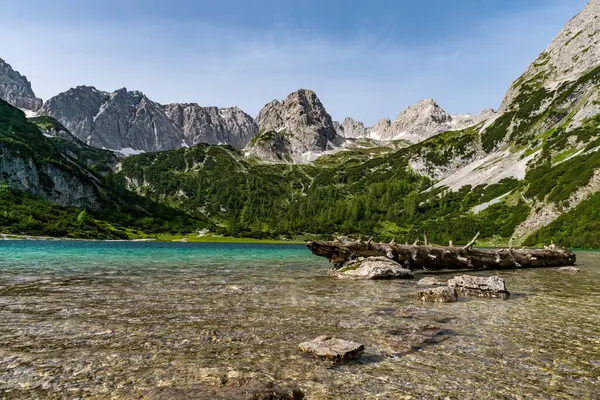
[(120, 319)]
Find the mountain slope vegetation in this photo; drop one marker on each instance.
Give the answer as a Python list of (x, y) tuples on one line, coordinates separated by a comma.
[(58, 187)]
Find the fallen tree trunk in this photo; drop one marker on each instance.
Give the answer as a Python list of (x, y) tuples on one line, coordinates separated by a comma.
[(416, 257)]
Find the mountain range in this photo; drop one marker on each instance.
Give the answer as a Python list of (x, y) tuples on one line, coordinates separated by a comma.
[(527, 173), (297, 129)]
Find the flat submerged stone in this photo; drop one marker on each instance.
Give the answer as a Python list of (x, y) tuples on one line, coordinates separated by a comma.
[(438, 295), (333, 349), (479, 286), (569, 269), (202, 392), (431, 281)]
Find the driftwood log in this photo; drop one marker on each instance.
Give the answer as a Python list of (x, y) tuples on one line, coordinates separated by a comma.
[(428, 257)]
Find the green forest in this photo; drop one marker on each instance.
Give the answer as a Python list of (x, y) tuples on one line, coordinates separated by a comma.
[(357, 193)]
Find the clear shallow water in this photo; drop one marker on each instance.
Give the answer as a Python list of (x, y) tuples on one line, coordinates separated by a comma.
[(98, 320)]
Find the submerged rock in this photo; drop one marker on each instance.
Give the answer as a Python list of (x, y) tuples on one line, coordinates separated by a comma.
[(479, 286), (438, 295), (333, 349), (430, 281), (411, 338), (568, 269), (250, 392), (375, 268)]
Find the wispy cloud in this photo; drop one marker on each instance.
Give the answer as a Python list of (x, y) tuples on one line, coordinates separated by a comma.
[(365, 77)]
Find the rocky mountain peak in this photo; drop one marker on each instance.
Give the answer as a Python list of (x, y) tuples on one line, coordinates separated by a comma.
[(16, 89), (304, 121), (415, 123), (123, 120), (212, 125), (351, 129), (423, 111), (573, 52)]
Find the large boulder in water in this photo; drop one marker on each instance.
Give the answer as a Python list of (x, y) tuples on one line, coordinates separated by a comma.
[(333, 349), (375, 268), (438, 295), (479, 286)]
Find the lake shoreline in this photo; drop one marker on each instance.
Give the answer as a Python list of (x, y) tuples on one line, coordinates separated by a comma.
[(193, 238), (158, 239)]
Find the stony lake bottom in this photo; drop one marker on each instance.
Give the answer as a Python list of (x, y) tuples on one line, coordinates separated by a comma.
[(116, 320)]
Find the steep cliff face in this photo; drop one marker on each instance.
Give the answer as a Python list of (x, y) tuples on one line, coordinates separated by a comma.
[(16, 89), (47, 180), (302, 119), (125, 121), (32, 162), (212, 125)]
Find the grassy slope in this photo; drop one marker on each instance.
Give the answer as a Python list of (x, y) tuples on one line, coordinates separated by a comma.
[(379, 196)]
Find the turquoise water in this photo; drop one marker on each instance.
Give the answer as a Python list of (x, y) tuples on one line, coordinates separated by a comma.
[(84, 254), (117, 319)]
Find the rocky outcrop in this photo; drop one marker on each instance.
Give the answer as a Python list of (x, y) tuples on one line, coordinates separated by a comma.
[(64, 171), (479, 286), (52, 128), (47, 180), (329, 348), (438, 295), (125, 121), (373, 268), (16, 90), (271, 146), (301, 119), (212, 125), (351, 129)]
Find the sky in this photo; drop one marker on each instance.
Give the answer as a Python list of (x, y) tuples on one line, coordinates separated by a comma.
[(365, 59)]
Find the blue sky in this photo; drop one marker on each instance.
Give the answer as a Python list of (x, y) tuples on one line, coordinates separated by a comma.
[(367, 59)]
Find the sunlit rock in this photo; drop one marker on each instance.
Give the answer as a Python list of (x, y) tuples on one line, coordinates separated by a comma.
[(479, 286), (438, 295), (333, 349), (374, 268)]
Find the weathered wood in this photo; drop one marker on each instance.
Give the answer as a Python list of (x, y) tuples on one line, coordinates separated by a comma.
[(429, 257)]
